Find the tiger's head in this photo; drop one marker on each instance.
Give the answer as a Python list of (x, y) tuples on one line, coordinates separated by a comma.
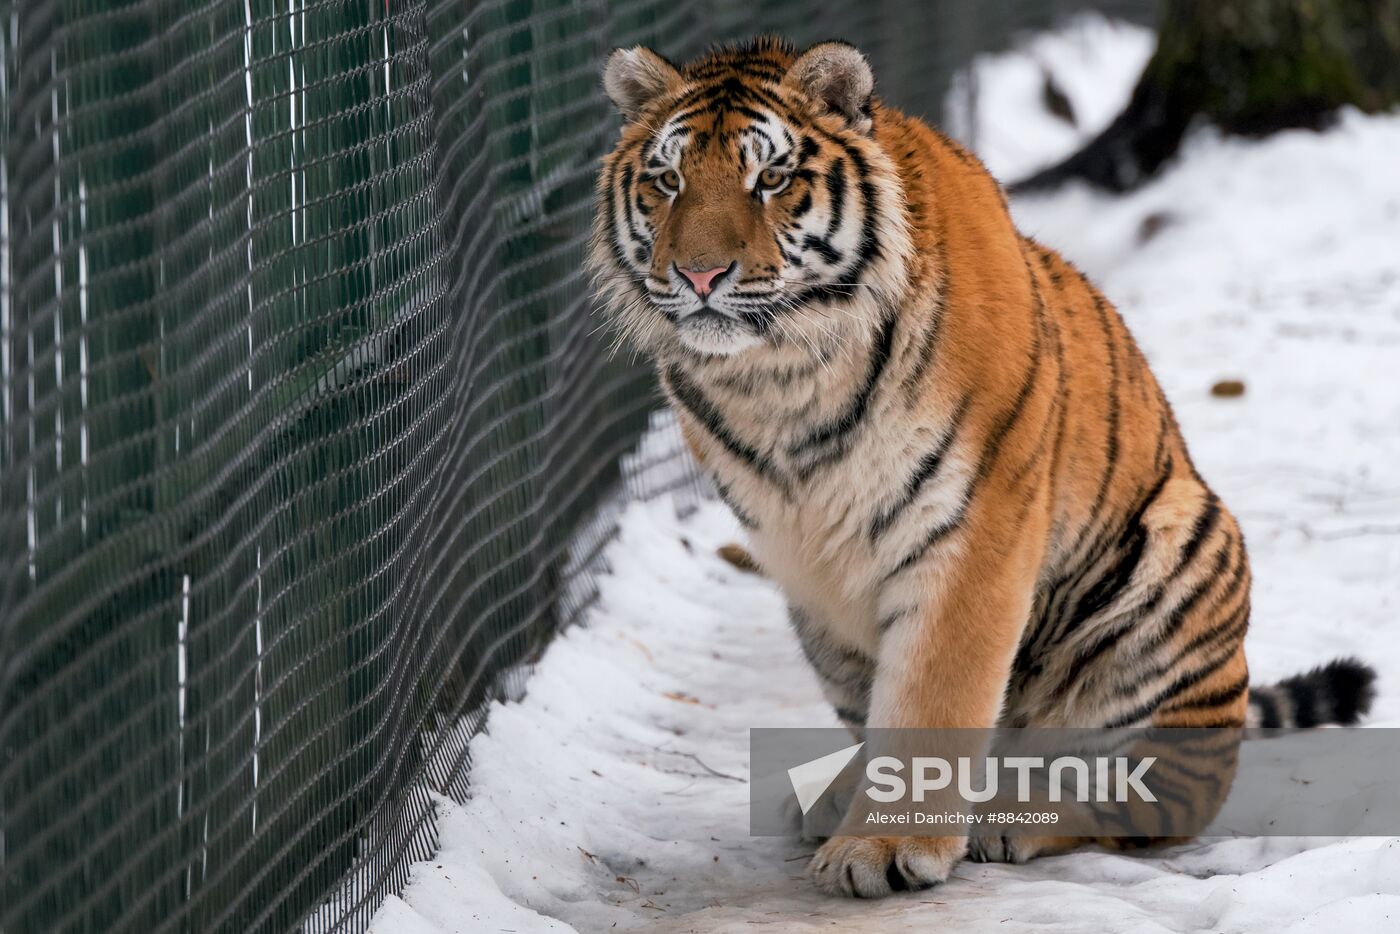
[(748, 203)]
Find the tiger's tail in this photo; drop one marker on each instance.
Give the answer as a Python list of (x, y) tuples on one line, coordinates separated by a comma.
[(1337, 693)]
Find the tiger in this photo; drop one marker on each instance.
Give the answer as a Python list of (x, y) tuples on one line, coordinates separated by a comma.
[(940, 438)]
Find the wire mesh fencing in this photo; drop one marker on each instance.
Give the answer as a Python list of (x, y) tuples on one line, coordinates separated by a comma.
[(306, 425)]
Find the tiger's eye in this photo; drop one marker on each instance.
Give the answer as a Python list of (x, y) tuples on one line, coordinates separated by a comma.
[(670, 180), (771, 178)]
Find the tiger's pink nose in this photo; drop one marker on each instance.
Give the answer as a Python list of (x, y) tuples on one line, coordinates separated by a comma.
[(703, 282)]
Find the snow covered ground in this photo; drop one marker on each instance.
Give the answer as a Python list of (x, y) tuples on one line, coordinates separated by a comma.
[(614, 793)]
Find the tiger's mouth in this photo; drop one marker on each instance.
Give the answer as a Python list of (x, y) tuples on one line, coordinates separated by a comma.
[(711, 331)]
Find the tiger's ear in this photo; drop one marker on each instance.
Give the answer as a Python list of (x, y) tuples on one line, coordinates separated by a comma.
[(837, 77), (637, 76)]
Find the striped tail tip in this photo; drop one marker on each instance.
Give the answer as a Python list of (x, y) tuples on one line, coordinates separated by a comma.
[(1337, 693)]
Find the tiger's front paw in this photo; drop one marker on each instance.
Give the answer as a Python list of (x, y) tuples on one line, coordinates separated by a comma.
[(872, 867), (1018, 849), (1000, 849)]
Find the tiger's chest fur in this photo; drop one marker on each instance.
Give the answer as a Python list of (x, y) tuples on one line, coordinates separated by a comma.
[(830, 470)]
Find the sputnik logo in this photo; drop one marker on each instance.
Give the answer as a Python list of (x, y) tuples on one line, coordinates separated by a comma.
[(810, 780)]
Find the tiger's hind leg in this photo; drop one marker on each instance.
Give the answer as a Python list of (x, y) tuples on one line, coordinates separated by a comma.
[(1162, 647), (1190, 777)]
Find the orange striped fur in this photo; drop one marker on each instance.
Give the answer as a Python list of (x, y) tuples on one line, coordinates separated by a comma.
[(944, 443)]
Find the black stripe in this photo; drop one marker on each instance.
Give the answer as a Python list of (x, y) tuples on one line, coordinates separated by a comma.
[(1234, 581), (869, 241), (1047, 262), (728, 96), (1200, 531), (1023, 670), (1220, 697), (1062, 421), (1096, 541), (785, 159), (934, 536), (761, 69), (746, 111), (1181, 683), (823, 247), (770, 99), (1066, 619), (618, 255), (836, 194), (708, 107), (1304, 700), (869, 246), (804, 204), (1223, 631), (1237, 578), (1106, 590), (626, 186), (890, 619), (1119, 574), (1098, 545), (956, 149), (928, 344), (840, 666), (766, 145), (840, 427), (757, 312), (1225, 743), (1111, 444), (1173, 620), (1052, 422), (1170, 792), (792, 258), (704, 411), (1205, 524), (999, 434), (913, 381), (1169, 627), (1221, 635), (727, 496), (824, 293), (928, 465), (850, 715), (713, 95), (1131, 621)]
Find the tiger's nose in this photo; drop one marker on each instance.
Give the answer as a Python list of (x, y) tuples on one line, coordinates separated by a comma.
[(703, 281)]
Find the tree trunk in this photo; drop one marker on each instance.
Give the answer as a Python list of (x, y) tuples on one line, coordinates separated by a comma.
[(1250, 67)]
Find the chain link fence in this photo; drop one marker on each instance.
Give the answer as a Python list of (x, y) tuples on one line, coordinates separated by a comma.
[(305, 418)]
